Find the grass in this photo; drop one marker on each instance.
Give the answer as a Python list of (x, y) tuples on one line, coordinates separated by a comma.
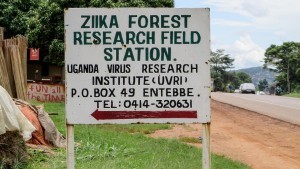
[(297, 95), (190, 140), (123, 147)]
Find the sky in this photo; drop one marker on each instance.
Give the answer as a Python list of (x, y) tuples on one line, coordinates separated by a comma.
[(246, 28)]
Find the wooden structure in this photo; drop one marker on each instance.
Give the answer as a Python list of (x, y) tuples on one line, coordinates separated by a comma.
[(13, 65)]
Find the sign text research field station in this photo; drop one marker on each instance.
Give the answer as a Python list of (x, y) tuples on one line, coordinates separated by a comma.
[(134, 65)]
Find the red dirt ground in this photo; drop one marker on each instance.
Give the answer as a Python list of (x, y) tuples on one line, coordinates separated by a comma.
[(256, 140)]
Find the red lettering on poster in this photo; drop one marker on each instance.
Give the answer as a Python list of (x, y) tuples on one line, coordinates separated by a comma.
[(46, 92)]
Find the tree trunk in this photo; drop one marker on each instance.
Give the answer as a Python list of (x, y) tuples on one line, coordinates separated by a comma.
[(288, 77)]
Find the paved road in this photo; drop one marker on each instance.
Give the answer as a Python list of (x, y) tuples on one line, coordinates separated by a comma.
[(279, 107)]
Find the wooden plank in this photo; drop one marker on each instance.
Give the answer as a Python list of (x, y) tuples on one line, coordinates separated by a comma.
[(7, 56), (206, 155), (17, 73), (4, 80), (70, 147), (23, 44), (1, 33)]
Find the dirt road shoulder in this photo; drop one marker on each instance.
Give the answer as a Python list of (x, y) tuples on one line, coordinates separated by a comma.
[(257, 140)]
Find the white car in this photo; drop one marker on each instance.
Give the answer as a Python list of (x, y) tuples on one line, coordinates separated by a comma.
[(236, 91), (247, 88), (261, 93)]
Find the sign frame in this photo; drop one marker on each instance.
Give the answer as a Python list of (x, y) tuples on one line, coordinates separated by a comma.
[(165, 80), (191, 86)]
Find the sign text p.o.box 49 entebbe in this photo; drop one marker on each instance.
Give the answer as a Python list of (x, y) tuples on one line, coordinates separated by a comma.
[(135, 65)]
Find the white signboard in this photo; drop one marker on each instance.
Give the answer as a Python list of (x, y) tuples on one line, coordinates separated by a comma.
[(135, 65)]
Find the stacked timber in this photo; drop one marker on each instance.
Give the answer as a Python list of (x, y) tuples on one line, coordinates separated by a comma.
[(23, 45), (20, 83), (7, 56), (13, 66), (4, 80)]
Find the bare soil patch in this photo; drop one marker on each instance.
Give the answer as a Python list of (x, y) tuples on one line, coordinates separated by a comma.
[(257, 140)]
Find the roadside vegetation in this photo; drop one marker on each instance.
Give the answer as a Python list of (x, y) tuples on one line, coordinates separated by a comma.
[(297, 95), (224, 80), (123, 146), (283, 59)]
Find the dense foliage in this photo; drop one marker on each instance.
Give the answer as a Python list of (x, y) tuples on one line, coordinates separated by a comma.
[(219, 63), (286, 59), (225, 80), (263, 85), (14, 15), (43, 21)]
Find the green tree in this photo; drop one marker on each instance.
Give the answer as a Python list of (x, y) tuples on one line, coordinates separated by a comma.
[(235, 79), (263, 84), (244, 77), (46, 31), (43, 21), (220, 62), (286, 59), (14, 15)]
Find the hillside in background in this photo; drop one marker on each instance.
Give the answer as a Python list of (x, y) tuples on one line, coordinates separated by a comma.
[(258, 73)]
